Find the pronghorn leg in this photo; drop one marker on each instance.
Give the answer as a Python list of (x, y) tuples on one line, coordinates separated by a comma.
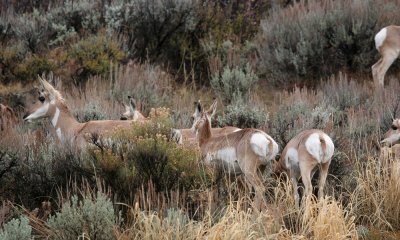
[(322, 179), (306, 168), (253, 180), (388, 58), (375, 71), (295, 190)]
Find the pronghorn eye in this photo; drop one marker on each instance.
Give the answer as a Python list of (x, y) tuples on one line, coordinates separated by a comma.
[(394, 127), (41, 98)]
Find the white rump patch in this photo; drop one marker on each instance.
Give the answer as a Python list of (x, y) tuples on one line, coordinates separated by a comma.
[(54, 120), (313, 146), (330, 148), (259, 144), (291, 158), (380, 38)]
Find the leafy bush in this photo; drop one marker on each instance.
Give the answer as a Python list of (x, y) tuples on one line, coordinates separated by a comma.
[(314, 38), (146, 153), (91, 217), (16, 229), (21, 65), (94, 55), (242, 115), (234, 83)]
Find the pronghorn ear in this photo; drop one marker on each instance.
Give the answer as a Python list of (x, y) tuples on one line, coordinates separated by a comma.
[(213, 108), (132, 104), (199, 108)]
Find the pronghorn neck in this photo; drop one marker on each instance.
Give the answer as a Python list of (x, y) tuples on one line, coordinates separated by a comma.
[(63, 121), (204, 132)]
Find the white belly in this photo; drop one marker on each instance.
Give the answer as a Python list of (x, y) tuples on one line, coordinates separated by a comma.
[(225, 158)]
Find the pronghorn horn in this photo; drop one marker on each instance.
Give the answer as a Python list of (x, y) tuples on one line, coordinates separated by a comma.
[(54, 94)]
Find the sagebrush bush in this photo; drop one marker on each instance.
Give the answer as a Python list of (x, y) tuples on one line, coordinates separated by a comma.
[(94, 55), (73, 17), (242, 115), (91, 217), (313, 38), (16, 229), (169, 19), (234, 84), (32, 30), (91, 111)]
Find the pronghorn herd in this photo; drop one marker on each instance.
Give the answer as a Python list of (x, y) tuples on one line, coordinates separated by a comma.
[(247, 152)]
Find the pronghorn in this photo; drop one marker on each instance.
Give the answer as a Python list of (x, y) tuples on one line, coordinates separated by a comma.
[(50, 104), (187, 135), (391, 141), (246, 151), (131, 113), (387, 42), (301, 156), (392, 136), (179, 135)]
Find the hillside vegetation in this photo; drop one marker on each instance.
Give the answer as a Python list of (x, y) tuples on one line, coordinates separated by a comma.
[(279, 66)]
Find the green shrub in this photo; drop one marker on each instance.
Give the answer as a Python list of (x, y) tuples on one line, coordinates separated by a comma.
[(314, 38), (234, 83), (92, 217), (94, 55), (91, 111), (242, 115), (133, 158), (17, 229)]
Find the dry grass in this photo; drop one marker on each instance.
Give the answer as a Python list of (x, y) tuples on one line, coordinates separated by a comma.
[(361, 114)]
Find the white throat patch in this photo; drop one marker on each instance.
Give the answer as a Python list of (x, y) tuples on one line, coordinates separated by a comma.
[(55, 118), (40, 112)]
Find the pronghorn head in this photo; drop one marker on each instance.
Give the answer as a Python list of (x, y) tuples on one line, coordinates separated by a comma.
[(130, 111), (7, 117), (202, 119), (44, 104), (392, 136)]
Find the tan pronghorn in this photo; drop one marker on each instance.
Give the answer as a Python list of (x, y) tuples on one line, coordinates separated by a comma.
[(247, 151), (300, 157), (50, 104), (391, 149), (131, 112), (387, 42)]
